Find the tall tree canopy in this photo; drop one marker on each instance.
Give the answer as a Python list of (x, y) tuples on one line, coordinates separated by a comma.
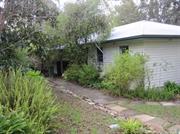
[(165, 11), (19, 30), (79, 24), (126, 13)]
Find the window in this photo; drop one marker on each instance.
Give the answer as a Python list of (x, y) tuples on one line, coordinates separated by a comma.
[(99, 55), (123, 49)]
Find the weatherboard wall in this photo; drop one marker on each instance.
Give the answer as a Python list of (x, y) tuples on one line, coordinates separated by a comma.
[(163, 58)]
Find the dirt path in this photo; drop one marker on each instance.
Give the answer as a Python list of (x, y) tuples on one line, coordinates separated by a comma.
[(85, 119), (163, 117)]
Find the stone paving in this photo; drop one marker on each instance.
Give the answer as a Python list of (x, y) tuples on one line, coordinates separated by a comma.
[(112, 106)]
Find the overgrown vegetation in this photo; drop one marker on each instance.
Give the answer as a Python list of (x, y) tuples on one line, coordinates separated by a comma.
[(80, 23), (26, 104), (154, 94), (126, 70), (83, 74), (21, 34), (124, 78)]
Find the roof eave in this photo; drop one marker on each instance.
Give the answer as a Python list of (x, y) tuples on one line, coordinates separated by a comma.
[(142, 36)]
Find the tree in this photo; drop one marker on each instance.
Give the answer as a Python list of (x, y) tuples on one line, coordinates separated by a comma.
[(165, 11), (126, 13), (78, 25), (170, 11), (20, 31)]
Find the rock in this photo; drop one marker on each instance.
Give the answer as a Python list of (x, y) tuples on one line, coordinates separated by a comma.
[(114, 126), (168, 104), (116, 108), (143, 117)]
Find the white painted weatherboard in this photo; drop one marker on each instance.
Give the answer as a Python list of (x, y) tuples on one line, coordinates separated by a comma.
[(163, 57), (164, 60)]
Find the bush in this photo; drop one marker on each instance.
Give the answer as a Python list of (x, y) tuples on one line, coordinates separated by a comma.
[(150, 94), (131, 126), (83, 74), (33, 74), (14, 122), (26, 104), (72, 73), (88, 75), (172, 87), (155, 94), (126, 70)]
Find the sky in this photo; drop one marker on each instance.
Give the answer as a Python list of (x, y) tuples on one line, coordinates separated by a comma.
[(2, 4)]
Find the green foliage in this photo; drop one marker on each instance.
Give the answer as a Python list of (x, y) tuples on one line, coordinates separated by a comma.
[(126, 70), (20, 34), (76, 25), (34, 74), (83, 74), (18, 42), (172, 87), (14, 122), (165, 11), (12, 49), (131, 126), (150, 94), (88, 75), (26, 104), (72, 73), (126, 13), (168, 92)]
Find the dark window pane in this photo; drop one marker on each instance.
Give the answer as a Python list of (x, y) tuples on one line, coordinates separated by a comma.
[(123, 49), (99, 55)]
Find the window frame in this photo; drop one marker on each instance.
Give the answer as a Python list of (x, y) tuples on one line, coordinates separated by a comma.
[(123, 49)]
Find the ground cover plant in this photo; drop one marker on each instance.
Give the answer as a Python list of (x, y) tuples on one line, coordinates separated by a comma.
[(131, 126), (26, 104)]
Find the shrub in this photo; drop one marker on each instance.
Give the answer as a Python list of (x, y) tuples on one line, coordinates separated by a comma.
[(88, 75), (126, 70), (14, 122), (172, 87), (131, 126), (72, 73), (26, 104), (83, 74), (35, 74)]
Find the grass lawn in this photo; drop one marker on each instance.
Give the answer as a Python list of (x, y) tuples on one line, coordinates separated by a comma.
[(171, 113), (78, 117), (74, 121)]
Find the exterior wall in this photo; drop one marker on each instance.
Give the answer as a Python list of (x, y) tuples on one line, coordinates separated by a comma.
[(163, 62), (110, 50), (163, 58)]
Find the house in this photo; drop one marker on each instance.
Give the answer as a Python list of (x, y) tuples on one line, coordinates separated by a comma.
[(160, 42)]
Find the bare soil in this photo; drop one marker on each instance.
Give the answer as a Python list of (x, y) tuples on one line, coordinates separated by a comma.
[(86, 118)]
